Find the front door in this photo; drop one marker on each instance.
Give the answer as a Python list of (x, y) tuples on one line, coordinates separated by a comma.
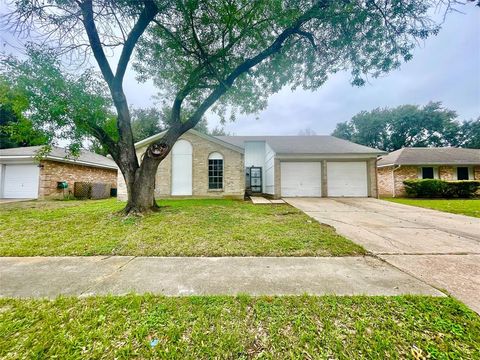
[(256, 179)]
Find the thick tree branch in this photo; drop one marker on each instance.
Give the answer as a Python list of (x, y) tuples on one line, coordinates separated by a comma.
[(147, 15), (92, 33), (274, 48)]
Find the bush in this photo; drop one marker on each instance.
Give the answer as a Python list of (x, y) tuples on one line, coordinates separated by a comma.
[(434, 188)]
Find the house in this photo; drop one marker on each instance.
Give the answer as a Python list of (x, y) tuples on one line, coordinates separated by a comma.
[(201, 165), (23, 176), (425, 163)]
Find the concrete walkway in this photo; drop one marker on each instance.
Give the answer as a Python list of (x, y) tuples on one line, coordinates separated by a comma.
[(83, 276), (439, 248)]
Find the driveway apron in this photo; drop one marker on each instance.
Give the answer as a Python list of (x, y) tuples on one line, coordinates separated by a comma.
[(440, 248)]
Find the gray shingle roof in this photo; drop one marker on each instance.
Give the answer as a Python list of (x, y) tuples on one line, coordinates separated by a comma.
[(317, 144), (431, 156), (60, 154)]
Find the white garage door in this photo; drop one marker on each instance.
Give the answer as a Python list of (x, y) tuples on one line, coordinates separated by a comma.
[(347, 178), (21, 182), (301, 179)]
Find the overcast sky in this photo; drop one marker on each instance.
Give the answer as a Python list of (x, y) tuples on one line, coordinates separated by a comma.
[(445, 68)]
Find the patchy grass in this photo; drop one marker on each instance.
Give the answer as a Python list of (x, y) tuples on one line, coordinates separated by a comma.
[(239, 328), (181, 228), (469, 207)]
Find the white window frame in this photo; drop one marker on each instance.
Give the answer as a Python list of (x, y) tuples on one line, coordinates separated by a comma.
[(470, 172), (420, 171), (216, 156)]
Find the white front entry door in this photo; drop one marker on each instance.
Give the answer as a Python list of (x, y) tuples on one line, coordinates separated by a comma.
[(347, 178), (21, 181), (182, 168), (301, 179)]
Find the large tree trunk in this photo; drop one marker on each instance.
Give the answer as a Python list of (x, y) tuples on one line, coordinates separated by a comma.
[(140, 178), (141, 194)]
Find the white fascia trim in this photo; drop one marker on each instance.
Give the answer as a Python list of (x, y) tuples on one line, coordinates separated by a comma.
[(195, 132), (325, 156), (59, 159)]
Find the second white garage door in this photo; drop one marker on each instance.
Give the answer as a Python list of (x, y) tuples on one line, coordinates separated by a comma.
[(21, 182), (301, 179), (347, 178)]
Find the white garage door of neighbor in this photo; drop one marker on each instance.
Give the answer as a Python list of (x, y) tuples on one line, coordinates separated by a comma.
[(347, 178), (182, 168), (21, 181), (301, 179)]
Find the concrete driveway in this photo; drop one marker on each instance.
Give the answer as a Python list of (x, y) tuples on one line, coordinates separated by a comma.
[(440, 248)]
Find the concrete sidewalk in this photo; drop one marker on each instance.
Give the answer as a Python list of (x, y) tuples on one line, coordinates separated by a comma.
[(83, 276)]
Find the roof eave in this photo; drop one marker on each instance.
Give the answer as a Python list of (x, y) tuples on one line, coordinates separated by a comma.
[(198, 133), (59, 159)]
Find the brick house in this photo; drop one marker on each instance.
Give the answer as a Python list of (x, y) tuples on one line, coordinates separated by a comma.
[(22, 175), (425, 163), (201, 165)]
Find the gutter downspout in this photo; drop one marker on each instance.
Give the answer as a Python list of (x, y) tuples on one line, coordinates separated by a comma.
[(393, 177)]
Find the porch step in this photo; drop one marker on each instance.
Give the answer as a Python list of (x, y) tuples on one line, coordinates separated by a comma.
[(260, 200)]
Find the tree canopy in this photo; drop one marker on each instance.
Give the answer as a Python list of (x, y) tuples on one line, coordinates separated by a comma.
[(409, 126), (220, 55), (15, 129)]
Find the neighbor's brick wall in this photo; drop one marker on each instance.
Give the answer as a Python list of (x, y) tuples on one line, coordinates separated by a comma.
[(385, 179), (53, 172), (233, 173), (446, 173)]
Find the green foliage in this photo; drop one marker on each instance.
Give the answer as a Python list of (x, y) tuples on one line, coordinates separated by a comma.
[(470, 134), (194, 47), (64, 106), (435, 188), (15, 129), (409, 126), (146, 122)]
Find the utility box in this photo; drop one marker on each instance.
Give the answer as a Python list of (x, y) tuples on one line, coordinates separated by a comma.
[(62, 185)]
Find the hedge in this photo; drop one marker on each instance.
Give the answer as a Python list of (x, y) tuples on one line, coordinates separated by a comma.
[(434, 188)]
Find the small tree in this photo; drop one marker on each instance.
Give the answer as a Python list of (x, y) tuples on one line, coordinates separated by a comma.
[(222, 54)]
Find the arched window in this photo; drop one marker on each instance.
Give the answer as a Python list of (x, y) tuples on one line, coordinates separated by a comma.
[(215, 171)]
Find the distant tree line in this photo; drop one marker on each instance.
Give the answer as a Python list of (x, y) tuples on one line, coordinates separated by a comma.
[(410, 126)]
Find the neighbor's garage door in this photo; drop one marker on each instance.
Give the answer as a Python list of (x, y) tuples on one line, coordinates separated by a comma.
[(21, 182), (347, 178), (301, 179)]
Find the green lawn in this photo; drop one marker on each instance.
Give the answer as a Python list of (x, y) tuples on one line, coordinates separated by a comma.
[(470, 207), (181, 228), (238, 328)]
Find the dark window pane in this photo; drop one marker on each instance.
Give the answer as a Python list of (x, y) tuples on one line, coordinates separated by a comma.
[(215, 174), (462, 173), (427, 173)]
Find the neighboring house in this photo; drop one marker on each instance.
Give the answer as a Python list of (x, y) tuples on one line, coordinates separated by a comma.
[(22, 176), (278, 166), (425, 163)]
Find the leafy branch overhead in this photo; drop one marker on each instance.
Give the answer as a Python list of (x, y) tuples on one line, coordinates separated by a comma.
[(220, 55)]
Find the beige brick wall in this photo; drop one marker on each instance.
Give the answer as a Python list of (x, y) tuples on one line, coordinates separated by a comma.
[(233, 173), (372, 178), (52, 172)]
